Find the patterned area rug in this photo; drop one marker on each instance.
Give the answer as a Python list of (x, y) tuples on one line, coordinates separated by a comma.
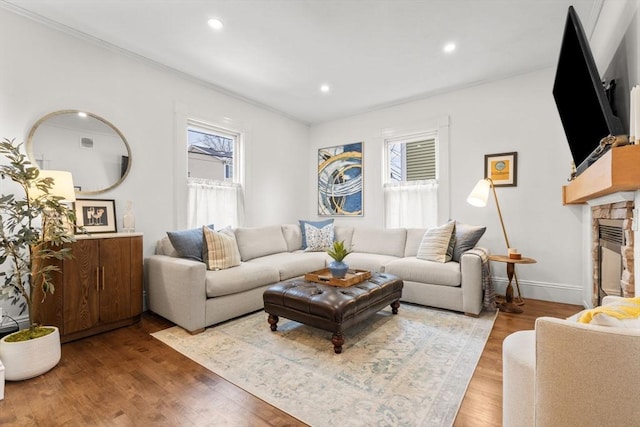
[(411, 369)]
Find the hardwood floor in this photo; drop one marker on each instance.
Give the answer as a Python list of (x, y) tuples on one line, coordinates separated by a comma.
[(126, 377)]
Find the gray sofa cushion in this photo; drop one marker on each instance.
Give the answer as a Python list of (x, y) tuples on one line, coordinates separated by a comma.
[(369, 262), (255, 242), (467, 237), (244, 277), (164, 247), (344, 234), (414, 237), (293, 236), (290, 265), (379, 241), (418, 270)]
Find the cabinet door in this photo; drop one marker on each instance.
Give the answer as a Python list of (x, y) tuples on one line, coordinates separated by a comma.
[(50, 311), (80, 280), (115, 276)]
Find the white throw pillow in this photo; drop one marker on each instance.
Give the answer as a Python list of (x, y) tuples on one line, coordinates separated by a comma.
[(221, 249), (437, 244), (318, 239)]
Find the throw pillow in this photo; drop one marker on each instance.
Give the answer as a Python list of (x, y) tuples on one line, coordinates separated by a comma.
[(316, 224), (188, 243), (623, 313), (436, 243), (221, 249), (319, 239), (466, 238)]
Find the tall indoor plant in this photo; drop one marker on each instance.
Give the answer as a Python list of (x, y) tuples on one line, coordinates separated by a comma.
[(34, 226)]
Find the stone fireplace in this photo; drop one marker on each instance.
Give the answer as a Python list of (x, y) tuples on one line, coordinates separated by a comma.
[(613, 250)]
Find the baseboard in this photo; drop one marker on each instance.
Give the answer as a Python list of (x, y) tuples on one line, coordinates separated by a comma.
[(555, 292)]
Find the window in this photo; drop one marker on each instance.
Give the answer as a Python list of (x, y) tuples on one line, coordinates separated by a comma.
[(215, 193), (412, 161), (411, 186), (210, 153)]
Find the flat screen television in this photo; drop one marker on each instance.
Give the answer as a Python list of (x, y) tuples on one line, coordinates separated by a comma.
[(580, 96)]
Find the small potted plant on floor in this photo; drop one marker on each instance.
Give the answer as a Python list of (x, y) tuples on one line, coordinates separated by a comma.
[(338, 252), (34, 226)]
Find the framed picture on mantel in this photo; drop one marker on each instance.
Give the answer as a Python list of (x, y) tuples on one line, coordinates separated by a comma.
[(502, 168)]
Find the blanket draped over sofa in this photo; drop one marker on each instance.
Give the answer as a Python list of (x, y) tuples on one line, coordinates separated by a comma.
[(187, 293), (489, 292)]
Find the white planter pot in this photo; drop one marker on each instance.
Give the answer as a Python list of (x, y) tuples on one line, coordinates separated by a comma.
[(28, 359)]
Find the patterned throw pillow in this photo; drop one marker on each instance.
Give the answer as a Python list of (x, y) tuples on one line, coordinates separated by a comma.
[(318, 239), (221, 249), (316, 224), (436, 244)]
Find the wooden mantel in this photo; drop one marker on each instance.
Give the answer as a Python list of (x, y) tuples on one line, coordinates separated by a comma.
[(617, 170)]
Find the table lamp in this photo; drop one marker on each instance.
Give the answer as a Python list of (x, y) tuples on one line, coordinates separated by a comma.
[(62, 185)]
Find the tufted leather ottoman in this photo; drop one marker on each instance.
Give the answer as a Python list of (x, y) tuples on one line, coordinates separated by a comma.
[(331, 308)]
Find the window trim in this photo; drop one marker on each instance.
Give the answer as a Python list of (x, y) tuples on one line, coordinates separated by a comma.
[(183, 114), (439, 127)]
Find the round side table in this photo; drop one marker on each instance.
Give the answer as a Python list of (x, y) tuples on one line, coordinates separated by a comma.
[(509, 306)]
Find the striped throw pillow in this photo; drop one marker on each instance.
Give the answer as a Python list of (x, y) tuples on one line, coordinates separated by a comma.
[(221, 249), (436, 244)]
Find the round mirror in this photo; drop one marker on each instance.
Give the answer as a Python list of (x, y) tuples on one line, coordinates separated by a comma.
[(92, 149)]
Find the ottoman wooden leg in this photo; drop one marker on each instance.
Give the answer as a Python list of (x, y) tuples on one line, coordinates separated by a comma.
[(395, 306), (273, 321), (338, 341)]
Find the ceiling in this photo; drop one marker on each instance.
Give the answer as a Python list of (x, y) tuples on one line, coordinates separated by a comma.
[(372, 53)]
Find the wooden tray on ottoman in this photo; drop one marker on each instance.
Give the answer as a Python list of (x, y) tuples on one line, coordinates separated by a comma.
[(353, 277)]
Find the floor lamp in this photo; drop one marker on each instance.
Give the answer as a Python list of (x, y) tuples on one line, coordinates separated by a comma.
[(479, 197)]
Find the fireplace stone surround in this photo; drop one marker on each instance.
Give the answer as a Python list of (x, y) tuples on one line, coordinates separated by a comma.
[(623, 210)]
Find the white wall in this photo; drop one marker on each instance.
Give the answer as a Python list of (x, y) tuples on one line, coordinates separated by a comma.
[(618, 25), (516, 114), (44, 70)]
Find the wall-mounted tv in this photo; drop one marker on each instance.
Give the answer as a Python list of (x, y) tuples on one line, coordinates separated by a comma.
[(580, 96)]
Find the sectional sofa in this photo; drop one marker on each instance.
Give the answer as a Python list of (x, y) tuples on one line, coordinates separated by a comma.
[(187, 293)]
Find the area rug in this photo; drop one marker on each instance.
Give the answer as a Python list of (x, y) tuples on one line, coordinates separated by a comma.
[(410, 369)]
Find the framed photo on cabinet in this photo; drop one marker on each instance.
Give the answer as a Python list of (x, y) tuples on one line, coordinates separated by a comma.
[(96, 216)]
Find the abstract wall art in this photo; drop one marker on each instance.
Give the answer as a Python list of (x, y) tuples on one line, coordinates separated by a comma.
[(340, 181)]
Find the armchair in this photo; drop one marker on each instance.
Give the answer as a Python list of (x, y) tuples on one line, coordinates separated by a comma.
[(566, 373)]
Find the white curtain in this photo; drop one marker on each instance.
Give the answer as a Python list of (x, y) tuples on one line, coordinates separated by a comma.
[(411, 204), (214, 202)]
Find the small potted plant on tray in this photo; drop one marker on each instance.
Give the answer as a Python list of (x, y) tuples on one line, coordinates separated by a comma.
[(338, 252)]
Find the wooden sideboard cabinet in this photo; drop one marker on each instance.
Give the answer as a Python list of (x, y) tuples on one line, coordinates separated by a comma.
[(97, 290)]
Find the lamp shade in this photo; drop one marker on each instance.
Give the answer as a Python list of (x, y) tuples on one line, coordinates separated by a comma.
[(480, 194), (62, 185)]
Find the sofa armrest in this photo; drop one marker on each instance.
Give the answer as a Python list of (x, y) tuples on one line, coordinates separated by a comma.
[(471, 283), (177, 290)]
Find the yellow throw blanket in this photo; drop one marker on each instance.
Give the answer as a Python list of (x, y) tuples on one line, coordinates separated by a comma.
[(627, 308)]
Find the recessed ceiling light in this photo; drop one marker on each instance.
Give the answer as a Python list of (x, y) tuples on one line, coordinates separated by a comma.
[(449, 47), (216, 24), (325, 88)]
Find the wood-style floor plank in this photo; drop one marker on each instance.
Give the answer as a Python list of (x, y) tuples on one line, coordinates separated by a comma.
[(128, 378)]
